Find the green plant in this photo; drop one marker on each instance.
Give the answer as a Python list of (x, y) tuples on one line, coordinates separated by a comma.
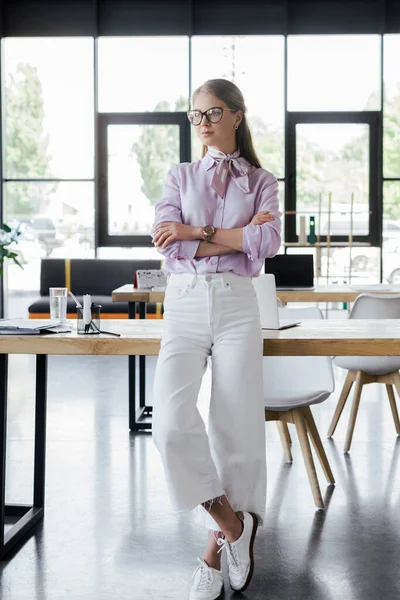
[(8, 237)]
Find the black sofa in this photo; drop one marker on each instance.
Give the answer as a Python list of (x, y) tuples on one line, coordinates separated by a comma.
[(98, 277)]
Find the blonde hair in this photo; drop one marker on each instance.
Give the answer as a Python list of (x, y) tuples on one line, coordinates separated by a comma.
[(230, 94)]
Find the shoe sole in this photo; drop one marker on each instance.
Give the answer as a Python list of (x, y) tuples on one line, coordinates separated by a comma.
[(250, 575), (220, 595)]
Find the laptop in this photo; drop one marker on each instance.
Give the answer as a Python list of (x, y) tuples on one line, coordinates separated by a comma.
[(292, 271), (264, 286)]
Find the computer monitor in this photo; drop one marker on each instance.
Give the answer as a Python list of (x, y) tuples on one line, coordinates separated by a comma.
[(292, 271)]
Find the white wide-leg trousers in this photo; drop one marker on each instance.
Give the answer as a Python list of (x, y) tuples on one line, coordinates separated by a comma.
[(211, 315)]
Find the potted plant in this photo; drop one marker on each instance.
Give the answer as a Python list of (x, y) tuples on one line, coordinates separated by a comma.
[(8, 237)]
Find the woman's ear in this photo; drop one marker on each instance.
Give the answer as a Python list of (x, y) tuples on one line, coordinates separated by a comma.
[(239, 117)]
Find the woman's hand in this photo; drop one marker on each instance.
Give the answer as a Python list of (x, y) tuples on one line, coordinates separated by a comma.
[(262, 217), (166, 233)]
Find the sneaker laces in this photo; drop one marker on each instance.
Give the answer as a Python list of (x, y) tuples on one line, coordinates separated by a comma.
[(205, 578), (232, 555)]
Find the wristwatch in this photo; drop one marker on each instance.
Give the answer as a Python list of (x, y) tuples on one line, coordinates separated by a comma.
[(208, 232)]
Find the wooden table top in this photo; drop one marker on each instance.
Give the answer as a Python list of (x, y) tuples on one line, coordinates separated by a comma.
[(321, 293), (142, 337)]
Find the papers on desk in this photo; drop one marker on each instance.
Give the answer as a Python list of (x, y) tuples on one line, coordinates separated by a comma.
[(151, 279), (32, 327), (372, 287)]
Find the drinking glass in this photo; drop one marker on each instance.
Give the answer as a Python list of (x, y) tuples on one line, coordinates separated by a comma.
[(58, 303)]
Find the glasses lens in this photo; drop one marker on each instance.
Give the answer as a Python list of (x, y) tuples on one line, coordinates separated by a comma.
[(215, 114), (194, 117)]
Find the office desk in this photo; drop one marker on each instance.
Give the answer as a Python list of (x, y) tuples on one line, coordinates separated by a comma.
[(320, 293), (142, 338)]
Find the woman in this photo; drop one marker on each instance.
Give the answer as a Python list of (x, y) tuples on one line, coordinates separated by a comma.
[(216, 223)]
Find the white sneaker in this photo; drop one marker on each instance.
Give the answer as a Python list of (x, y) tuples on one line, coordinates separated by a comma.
[(207, 583), (239, 554)]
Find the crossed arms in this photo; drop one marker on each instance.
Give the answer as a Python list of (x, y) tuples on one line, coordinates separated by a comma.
[(224, 241)]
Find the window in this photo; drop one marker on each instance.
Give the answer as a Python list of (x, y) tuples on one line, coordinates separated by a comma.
[(391, 232), (138, 74), (334, 72), (139, 158), (49, 120), (333, 167), (48, 142), (391, 107)]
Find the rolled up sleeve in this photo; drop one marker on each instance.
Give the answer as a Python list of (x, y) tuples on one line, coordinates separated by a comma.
[(169, 208), (263, 241)]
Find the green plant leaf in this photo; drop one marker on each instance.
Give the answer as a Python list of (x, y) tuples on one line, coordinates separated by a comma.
[(17, 262)]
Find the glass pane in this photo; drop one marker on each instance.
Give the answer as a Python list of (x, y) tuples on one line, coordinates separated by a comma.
[(244, 60), (332, 171), (354, 264), (136, 253), (334, 72), (138, 74), (391, 232), (391, 108), (49, 108), (139, 157), (56, 219)]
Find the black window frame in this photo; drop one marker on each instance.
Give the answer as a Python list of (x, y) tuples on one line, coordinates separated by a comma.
[(102, 201), (371, 118)]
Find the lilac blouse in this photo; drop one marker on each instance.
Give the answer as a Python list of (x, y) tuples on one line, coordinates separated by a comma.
[(188, 198)]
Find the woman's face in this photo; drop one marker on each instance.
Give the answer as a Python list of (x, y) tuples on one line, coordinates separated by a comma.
[(221, 135)]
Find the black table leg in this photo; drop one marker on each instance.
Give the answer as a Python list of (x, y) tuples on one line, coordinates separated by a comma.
[(27, 515), (142, 364), (131, 310), (136, 417), (40, 428), (132, 375)]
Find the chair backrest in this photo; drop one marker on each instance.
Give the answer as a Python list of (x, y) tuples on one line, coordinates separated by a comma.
[(96, 276), (376, 306), (99, 276), (52, 274), (302, 373)]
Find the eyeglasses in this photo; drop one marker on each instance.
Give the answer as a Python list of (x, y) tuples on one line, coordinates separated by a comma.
[(213, 115)]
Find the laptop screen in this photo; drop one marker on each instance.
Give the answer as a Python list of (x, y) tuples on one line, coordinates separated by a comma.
[(291, 270)]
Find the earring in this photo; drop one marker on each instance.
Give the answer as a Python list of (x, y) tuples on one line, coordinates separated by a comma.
[(236, 126)]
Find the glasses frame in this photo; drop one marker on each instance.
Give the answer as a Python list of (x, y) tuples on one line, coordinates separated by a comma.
[(204, 114)]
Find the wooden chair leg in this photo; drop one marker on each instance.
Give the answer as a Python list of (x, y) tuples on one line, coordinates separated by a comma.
[(342, 401), (300, 424), (396, 381), (354, 410), (282, 428), (287, 432), (316, 440), (392, 400)]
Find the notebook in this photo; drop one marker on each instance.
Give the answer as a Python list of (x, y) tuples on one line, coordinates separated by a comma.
[(292, 271), (264, 286)]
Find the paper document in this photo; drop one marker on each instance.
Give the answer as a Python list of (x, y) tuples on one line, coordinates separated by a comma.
[(32, 327)]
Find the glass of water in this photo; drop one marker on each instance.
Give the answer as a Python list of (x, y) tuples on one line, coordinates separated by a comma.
[(58, 303)]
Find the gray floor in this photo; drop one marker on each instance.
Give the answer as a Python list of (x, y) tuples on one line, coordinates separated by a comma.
[(108, 532)]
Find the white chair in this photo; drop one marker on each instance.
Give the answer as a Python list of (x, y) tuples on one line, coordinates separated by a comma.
[(291, 385), (369, 369)]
